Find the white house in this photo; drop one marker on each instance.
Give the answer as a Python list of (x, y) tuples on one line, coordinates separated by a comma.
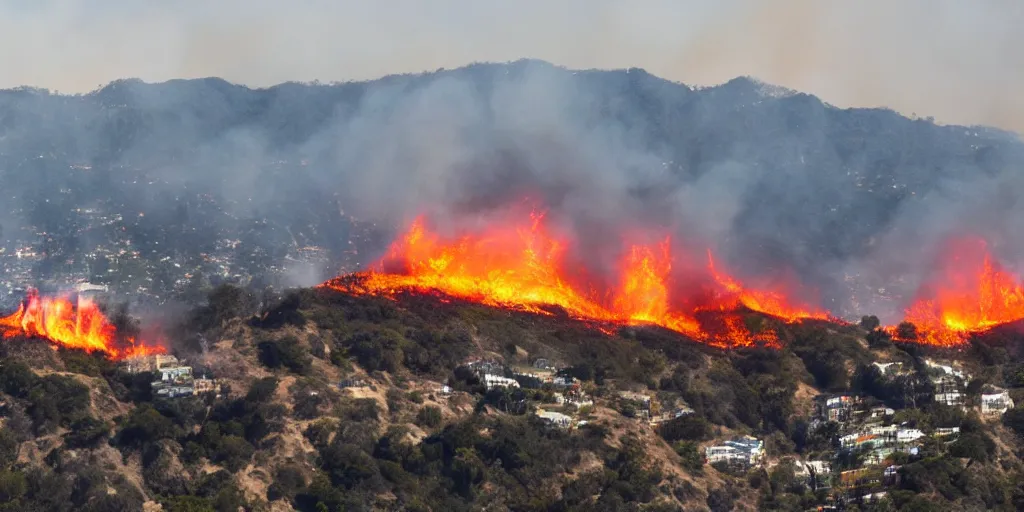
[(890, 369), (746, 450), (950, 398), (497, 381), (175, 373), (556, 419), (946, 431), (946, 369), (996, 403), (907, 435)]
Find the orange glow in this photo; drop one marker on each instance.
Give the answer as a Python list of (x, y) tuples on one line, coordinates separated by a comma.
[(969, 293), (523, 266), (769, 302), (78, 325)]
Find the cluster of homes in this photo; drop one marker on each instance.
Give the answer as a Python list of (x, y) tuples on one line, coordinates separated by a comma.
[(567, 392), (651, 411), (870, 432), (175, 377)]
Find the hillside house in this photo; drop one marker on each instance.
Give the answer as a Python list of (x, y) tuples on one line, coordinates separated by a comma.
[(150, 363), (175, 373), (908, 435), (744, 450), (877, 413), (353, 383), (204, 385), (950, 398), (816, 473), (892, 369), (859, 440), (946, 431), (555, 419), (496, 381), (658, 419), (996, 402), (946, 370), (175, 391), (838, 408), (945, 384)]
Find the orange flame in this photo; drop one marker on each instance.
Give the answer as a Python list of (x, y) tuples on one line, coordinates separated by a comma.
[(970, 293), (78, 325), (523, 266), (769, 302)]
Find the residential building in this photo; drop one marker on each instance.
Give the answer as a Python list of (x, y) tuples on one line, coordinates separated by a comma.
[(859, 440), (555, 419), (657, 419), (944, 369), (890, 369), (175, 373), (837, 408), (353, 383), (945, 384), (946, 431), (996, 403), (881, 412), (950, 398), (907, 435), (150, 363), (745, 450), (497, 381), (175, 391), (204, 385)]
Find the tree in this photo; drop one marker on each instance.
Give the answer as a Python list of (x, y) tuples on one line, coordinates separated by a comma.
[(429, 417), (870, 323), (1014, 419), (906, 331), (286, 352), (689, 427)]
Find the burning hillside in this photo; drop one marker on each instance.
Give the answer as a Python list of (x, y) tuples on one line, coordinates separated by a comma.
[(69, 324), (526, 266), (968, 293)]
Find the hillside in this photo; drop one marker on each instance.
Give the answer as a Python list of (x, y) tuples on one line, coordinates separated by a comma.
[(414, 428)]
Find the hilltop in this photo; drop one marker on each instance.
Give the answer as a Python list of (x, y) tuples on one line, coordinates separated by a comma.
[(413, 426)]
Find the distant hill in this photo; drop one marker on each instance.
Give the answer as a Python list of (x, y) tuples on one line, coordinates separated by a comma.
[(777, 178)]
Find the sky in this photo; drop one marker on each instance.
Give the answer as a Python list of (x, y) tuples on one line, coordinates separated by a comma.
[(959, 62)]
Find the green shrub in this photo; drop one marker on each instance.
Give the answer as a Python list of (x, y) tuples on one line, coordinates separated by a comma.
[(286, 352), (429, 417)]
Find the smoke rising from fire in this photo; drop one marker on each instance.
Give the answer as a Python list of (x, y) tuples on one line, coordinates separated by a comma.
[(779, 186)]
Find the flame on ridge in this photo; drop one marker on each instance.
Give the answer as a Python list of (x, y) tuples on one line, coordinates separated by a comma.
[(969, 293), (78, 325), (523, 266)]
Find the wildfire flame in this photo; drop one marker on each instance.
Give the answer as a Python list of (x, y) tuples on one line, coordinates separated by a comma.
[(78, 325), (524, 266), (970, 293)]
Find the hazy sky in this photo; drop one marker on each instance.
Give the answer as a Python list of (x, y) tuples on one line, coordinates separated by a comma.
[(959, 61)]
